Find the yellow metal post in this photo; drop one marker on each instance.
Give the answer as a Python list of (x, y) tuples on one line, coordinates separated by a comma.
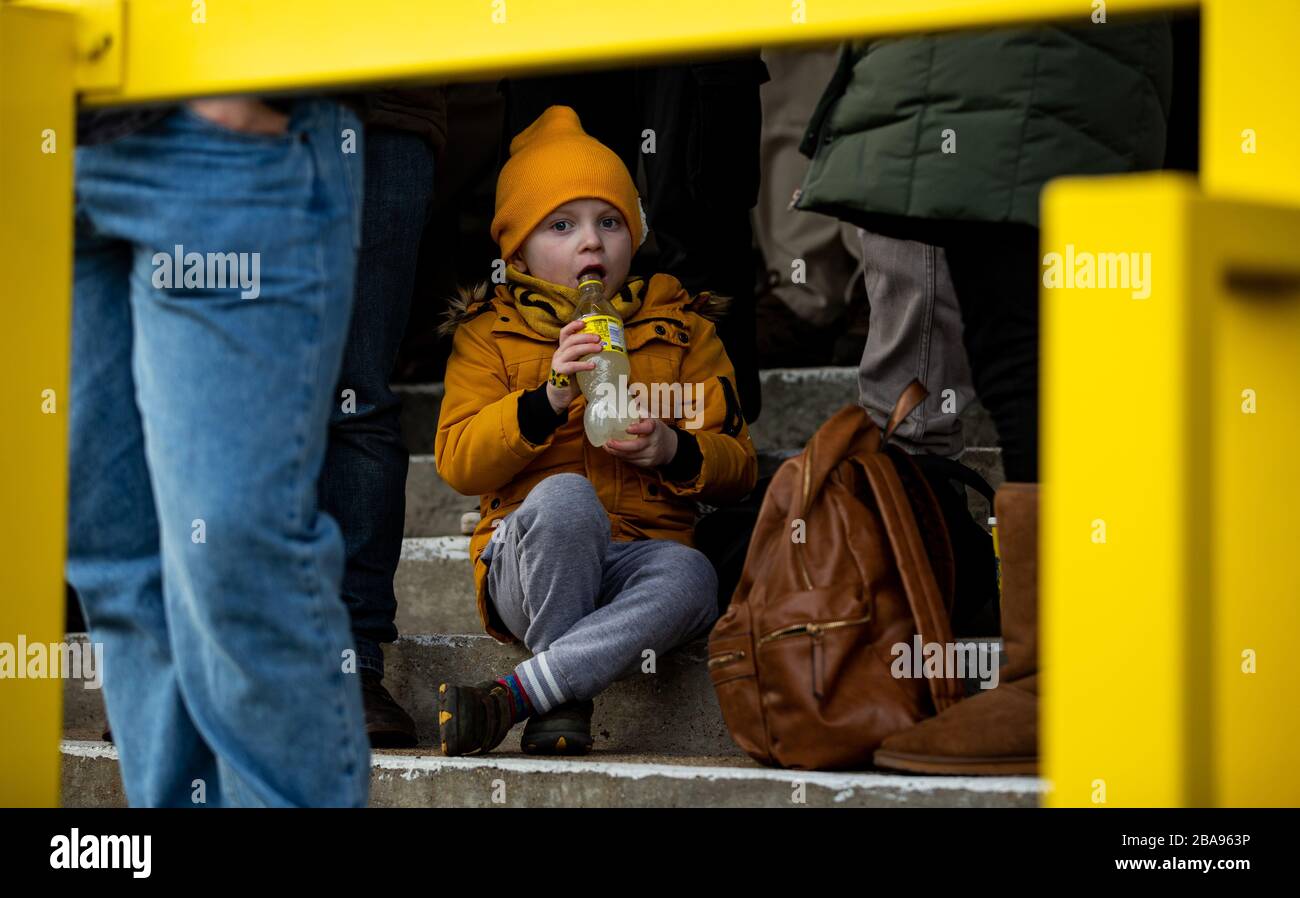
[(37, 142), (1170, 505), (1124, 521), (1250, 129), (1252, 270), (1250, 144), (1169, 426)]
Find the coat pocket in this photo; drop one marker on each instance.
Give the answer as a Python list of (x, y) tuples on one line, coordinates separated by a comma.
[(525, 374)]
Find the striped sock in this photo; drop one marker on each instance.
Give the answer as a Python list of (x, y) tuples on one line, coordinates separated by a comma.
[(520, 706), (542, 683)]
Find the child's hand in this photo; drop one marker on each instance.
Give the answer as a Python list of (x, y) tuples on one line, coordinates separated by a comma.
[(574, 345), (653, 443)]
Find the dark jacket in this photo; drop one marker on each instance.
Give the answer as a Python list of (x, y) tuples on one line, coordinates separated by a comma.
[(1018, 106)]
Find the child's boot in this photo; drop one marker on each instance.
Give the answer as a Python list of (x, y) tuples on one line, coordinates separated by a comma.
[(472, 719), (566, 730)]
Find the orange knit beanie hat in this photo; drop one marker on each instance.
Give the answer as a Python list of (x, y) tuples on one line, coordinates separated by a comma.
[(553, 161)]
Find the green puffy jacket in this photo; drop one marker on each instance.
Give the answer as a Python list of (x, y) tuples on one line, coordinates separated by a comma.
[(970, 126)]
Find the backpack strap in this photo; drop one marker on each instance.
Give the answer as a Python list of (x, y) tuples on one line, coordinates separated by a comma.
[(850, 432), (936, 466), (914, 569)]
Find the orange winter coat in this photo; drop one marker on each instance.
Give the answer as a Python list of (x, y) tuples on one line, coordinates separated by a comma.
[(496, 356)]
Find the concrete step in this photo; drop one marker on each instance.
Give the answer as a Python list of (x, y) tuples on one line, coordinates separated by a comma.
[(606, 779), (673, 710), (795, 403), (433, 508), (435, 587)]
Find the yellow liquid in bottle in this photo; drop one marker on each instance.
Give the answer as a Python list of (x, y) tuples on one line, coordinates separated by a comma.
[(605, 386)]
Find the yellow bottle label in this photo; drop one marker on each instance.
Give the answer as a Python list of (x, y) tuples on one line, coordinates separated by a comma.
[(610, 331)]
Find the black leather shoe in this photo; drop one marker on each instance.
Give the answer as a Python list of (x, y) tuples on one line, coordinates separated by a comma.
[(565, 730), (387, 724), (472, 719)]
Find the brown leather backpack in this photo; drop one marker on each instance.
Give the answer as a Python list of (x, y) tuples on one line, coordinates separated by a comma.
[(850, 556)]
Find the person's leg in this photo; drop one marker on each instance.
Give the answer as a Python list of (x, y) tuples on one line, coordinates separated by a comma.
[(112, 557), (235, 387), (363, 482), (829, 262), (586, 607), (995, 272), (657, 594), (546, 572), (915, 332), (701, 184)]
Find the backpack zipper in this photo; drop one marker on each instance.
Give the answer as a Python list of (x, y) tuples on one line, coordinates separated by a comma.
[(812, 628), (815, 629), (724, 658), (803, 510)]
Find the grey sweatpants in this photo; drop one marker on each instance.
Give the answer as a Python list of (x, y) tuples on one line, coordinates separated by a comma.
[(914, 331), (588, 607)]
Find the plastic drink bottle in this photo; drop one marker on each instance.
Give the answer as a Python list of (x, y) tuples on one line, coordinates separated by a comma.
[(605, 386)]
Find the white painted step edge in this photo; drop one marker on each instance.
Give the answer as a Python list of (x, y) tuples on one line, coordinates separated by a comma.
[(845, 784)]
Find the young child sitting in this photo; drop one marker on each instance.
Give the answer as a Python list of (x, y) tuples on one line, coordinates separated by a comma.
[(582, 553)]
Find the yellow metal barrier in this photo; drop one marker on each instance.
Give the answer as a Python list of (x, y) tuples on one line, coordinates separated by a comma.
[(36, 149), (1169, 591), (179, 49), (1171, 410)]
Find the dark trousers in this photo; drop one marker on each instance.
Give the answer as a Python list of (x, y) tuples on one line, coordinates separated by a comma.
[(995, 270), (363, 482), (701, 179)]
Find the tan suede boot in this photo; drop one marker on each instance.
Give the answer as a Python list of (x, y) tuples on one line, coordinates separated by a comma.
[(992, 732)]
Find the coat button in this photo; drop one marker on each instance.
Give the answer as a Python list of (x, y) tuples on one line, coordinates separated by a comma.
[(659, 329), (496, 503), (653, 489)]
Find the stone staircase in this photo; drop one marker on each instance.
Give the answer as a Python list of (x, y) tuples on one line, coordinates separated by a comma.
[(660, 738)]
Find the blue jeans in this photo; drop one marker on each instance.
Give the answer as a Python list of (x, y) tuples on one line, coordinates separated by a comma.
[(363, 484), (198, 423)]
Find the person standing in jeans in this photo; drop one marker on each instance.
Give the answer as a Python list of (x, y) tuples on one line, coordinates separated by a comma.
[(914, 333), (215, 253), (363, 482)]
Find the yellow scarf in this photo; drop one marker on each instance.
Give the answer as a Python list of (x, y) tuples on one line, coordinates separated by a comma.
[(547, 307)]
